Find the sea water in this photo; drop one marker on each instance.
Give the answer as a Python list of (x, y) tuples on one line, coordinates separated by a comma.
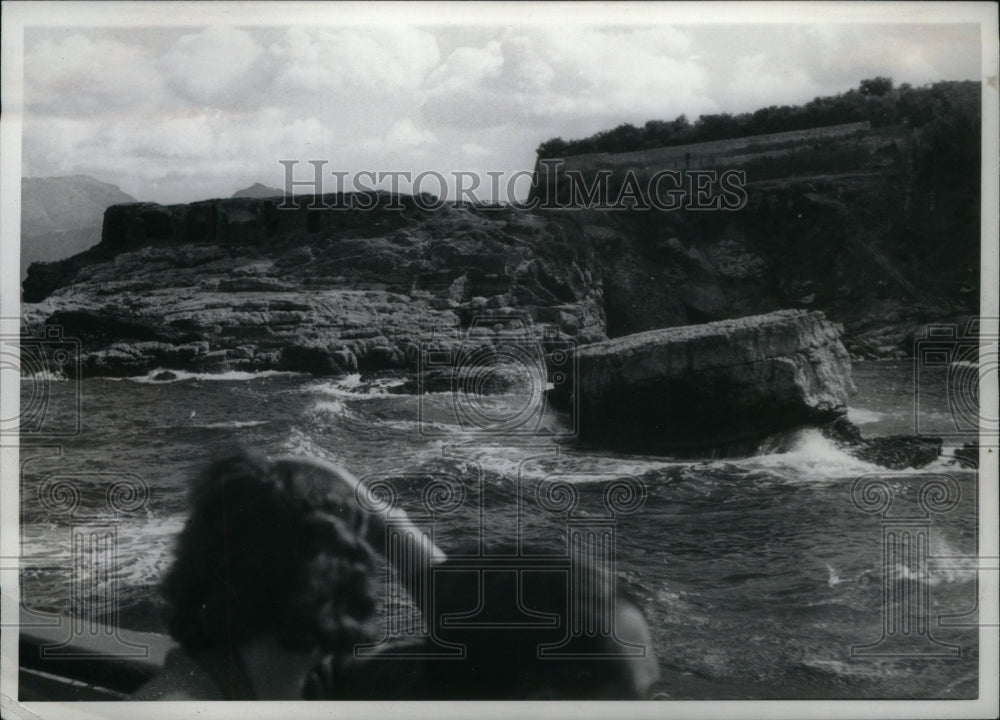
[(757, 575)]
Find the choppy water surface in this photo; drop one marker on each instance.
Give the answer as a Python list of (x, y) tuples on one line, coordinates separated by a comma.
[(757, 575)]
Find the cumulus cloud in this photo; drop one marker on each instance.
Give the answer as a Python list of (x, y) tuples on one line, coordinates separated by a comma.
[(216, 61), (756, 76), (405, 134), (384, 59), (788, 64), (174, 114), (549, 76), (474, 150), (466, 67), (77, 76)]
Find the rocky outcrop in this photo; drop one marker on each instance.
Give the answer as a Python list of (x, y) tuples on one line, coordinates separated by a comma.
[(896, 452), (709, 386), (243, 284)]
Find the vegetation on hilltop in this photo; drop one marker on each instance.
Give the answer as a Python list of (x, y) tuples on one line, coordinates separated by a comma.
[(948, 112)]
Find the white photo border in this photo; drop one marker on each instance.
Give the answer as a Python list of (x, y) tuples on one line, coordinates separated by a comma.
[(17, 16)]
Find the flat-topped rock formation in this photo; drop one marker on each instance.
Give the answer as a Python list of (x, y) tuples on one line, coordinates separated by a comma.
[(711, 385), (242, 284)]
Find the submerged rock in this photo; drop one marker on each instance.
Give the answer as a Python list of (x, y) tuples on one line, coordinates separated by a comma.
[(703, 387), (968, 455), (896, 452)]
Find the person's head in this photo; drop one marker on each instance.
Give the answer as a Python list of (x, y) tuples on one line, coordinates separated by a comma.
[(271, 548)]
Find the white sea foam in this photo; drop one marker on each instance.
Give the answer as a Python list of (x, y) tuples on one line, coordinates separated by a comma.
[(864, 416), (298, 443), (143, 549), (44, 376), (328, 407), (955, 572), (813, 456), (352, 386), (181, 375), (550, 461), (231, 424), (425, 427)]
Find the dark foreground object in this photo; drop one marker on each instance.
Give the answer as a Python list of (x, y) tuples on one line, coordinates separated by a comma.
[(103, 663), (511, 633), (500, 634)]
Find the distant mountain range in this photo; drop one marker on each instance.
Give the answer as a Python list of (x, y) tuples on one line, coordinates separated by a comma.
[(62, 216)]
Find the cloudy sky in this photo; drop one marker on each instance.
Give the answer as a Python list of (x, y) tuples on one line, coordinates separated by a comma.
[(175, 114)]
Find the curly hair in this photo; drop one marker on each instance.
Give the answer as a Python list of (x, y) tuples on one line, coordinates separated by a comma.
[(271, 547)]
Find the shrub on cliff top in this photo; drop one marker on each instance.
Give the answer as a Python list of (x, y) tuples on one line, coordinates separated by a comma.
[(876, 100)]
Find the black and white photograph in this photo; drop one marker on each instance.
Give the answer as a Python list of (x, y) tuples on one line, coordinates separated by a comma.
[(631, 359)]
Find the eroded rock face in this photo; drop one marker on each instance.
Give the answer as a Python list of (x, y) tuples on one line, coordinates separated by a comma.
[(713, 385), (589, 274), (223, 272), (241, 284)]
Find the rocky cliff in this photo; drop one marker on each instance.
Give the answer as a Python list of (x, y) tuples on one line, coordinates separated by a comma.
[(867, 225), (242, 284), (860, 224)]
